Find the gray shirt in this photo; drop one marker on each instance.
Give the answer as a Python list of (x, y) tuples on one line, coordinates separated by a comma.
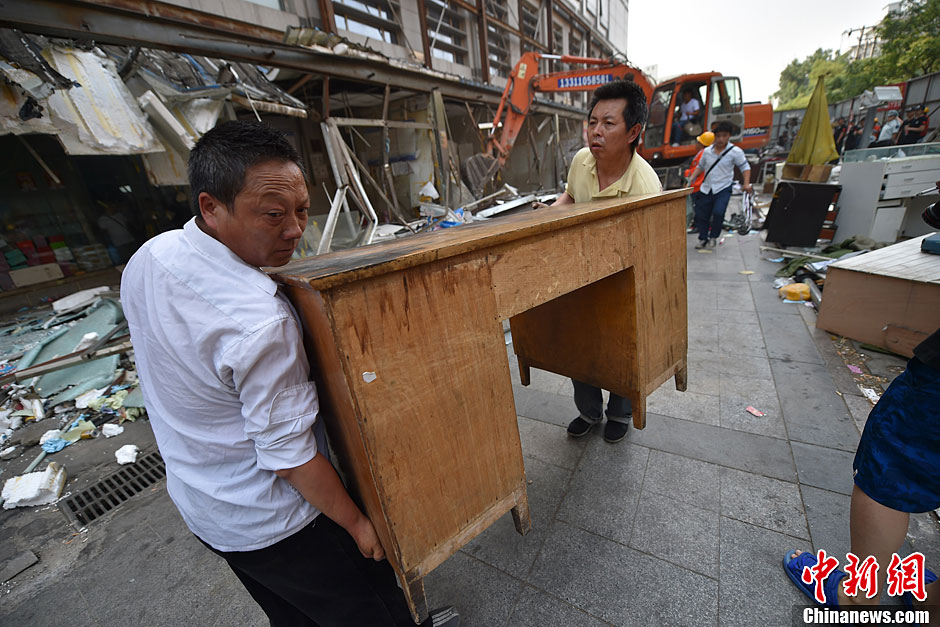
[(722, 174)]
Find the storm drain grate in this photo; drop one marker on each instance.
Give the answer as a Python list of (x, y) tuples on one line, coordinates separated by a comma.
[(100, 498)]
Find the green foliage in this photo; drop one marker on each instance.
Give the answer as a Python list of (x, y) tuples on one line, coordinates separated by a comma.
[(910, 46)]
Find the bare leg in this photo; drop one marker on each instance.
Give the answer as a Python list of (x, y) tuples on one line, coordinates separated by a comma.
[(876, 530), (879, 531)]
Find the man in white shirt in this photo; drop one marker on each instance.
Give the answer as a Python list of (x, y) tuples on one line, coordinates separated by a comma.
[(889, 131), (226, 381), (688, 112), (718, 162)]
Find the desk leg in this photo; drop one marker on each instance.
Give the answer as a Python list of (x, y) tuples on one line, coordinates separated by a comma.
[(416, 598), (523, 371), (682, 377), (520, 513), (639, 411)]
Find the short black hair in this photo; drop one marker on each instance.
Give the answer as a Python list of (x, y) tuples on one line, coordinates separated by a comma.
[(636, 110), (723, 126), (218, 162)]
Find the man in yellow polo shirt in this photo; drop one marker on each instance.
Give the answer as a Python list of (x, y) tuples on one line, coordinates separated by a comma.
[(609, 168)]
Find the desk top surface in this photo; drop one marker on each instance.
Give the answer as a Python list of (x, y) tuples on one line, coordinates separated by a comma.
[(331, 270)]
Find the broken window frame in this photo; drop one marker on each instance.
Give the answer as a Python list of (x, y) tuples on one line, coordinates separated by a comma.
[(447, 36), (374, 19), (529, 23), (498, 42)]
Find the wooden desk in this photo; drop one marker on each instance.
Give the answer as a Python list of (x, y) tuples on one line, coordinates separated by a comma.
[(407, 348)]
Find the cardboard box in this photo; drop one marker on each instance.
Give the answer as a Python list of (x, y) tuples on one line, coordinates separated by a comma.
[(36, 274)]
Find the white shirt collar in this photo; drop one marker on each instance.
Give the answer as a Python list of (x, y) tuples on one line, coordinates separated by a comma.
[(214, 249)]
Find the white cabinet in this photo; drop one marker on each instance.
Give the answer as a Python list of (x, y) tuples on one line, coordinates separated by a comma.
[(876, 199)]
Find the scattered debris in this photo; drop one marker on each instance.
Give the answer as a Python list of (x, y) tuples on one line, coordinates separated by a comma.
[(795, 292), (745, 272), (10, 452), (36, 488), (110, 430), (754, 412), (854, 368), (127, 454), (870, 394)]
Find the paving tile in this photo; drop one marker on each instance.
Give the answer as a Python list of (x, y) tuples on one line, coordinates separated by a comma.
[(686, 405), (763, 501), (828, 516), (859, 408), (728, 363), (740, 338), (708, 275), (812, 410), (737, 393), (46, 608), (826, 468), (703, 336), (787, 337), (482, 594), (620, 585), (538, 609), (549, 443), (754, 588), (721, 315), (556, 409), (682, 534), (500, 545), (703, 376), (603, 493), (726, 447), (735, 296), (686, 480)]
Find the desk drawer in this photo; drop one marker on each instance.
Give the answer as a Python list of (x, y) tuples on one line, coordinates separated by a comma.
[(914, 164), (904, 191), (903, 179)]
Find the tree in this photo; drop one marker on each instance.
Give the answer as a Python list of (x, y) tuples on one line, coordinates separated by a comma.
[(910, 46), (911, 40)]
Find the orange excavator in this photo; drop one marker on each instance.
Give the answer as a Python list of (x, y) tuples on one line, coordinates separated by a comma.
[(668, 138)]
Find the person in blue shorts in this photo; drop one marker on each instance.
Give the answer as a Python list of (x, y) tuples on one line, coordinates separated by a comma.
[(896, 474)]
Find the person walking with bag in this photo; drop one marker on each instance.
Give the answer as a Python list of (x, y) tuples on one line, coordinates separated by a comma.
[(717, 163)]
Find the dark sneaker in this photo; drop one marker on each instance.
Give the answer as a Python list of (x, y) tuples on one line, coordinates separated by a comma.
[(580, 427), (702, 243), (444, 617), (615, 431)]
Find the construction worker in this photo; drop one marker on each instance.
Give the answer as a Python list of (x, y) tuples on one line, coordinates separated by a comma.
[(717, 163), (914, 127), (609, 168), (704, 140)]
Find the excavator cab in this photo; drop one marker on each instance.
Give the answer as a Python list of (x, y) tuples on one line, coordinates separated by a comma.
[(726, 104), (682, 108)]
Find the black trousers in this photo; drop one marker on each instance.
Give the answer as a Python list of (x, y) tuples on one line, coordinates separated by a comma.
[(318, 578)]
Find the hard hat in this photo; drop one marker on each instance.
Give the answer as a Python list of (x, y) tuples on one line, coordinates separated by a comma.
[(706, 138)]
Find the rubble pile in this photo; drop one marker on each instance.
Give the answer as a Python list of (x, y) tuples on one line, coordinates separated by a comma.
[(76, 382)]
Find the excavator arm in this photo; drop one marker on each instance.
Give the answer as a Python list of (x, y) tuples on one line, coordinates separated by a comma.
[(525, 81)]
